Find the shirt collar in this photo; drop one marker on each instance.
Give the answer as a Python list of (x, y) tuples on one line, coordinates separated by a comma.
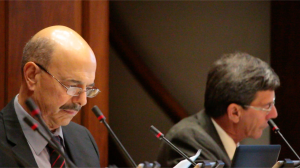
[(227, 141), (35, 140)]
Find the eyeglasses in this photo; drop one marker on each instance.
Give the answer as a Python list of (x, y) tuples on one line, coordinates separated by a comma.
[(72, 90), (261, 108)]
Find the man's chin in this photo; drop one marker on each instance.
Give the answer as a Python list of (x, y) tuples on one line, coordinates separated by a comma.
[(65, 122), (258, 134)]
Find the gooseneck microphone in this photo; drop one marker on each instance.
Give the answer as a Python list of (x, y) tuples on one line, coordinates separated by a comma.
[(276, 130), (161, 136), (34, 126), (274, 127), (35, 112), (101, 118)]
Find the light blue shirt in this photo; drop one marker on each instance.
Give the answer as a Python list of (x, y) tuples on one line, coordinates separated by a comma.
[(36, 142)]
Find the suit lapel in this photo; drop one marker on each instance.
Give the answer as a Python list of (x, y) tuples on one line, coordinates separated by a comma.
[(71, 147), (15, 134), (211, 130)]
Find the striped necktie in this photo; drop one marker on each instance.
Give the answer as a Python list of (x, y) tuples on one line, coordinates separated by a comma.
[(56, 160)]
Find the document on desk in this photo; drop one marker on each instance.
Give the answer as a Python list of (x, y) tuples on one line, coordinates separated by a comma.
[(185, 163)]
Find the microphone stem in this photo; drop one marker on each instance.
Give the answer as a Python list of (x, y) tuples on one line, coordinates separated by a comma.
[(119, 143), (179, 151), (47, 130), (290, 147), (30, 103), (57, 149)]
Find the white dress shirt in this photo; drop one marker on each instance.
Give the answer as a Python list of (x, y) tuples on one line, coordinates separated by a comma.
[(227, 141)]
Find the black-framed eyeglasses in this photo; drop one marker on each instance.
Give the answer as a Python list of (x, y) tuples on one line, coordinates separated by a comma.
[(72, 90)]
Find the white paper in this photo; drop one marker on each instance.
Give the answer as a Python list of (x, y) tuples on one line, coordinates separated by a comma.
[(186, 163)]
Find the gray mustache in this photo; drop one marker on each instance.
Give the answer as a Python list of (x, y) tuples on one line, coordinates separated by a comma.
[(73, 106)]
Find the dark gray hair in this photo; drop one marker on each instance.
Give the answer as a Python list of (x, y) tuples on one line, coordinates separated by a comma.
[(38, 50), (236, 78)]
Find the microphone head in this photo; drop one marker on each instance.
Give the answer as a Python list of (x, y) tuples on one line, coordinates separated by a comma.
[(32, 107), (31, 123), (98, 113), (156, 132), (273, 126)]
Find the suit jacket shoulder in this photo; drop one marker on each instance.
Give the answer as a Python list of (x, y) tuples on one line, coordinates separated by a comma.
[(12, 137), (189, 135)]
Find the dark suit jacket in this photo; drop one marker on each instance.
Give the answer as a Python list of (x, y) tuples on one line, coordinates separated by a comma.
[(189, 135), (80, 145)]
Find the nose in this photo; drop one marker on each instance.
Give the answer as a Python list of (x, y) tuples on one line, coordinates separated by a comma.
[(80, 99), (273, 113)]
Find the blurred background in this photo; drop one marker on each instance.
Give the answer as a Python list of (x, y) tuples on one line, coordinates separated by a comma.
[(178, 41), (153, 58)]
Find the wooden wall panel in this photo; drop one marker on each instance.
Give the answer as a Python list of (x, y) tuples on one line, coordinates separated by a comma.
[(25, 18), (2, 55), (285, 59), (95, 31)]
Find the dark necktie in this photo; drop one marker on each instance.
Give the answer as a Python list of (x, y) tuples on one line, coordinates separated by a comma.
[(56, 160)]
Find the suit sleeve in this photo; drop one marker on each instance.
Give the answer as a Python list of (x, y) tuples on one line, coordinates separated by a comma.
[(188, 140)]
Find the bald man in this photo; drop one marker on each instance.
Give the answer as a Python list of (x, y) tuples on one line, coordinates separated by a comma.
[(58, 73)]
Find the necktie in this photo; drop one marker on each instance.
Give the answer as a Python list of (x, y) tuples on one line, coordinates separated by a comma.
[(56, 160)]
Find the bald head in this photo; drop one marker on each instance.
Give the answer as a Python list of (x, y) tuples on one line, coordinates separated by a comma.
[(43, 44), (63, 36)]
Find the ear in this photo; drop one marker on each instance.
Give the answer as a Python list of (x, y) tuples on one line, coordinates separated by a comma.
[(30, 71), (234, 112)]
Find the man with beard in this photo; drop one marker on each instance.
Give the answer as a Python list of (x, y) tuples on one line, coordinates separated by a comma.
[(58, 72), (239, 101)]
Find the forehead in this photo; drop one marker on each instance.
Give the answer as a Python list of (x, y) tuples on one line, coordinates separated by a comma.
[(263, 97), (73, 65)]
